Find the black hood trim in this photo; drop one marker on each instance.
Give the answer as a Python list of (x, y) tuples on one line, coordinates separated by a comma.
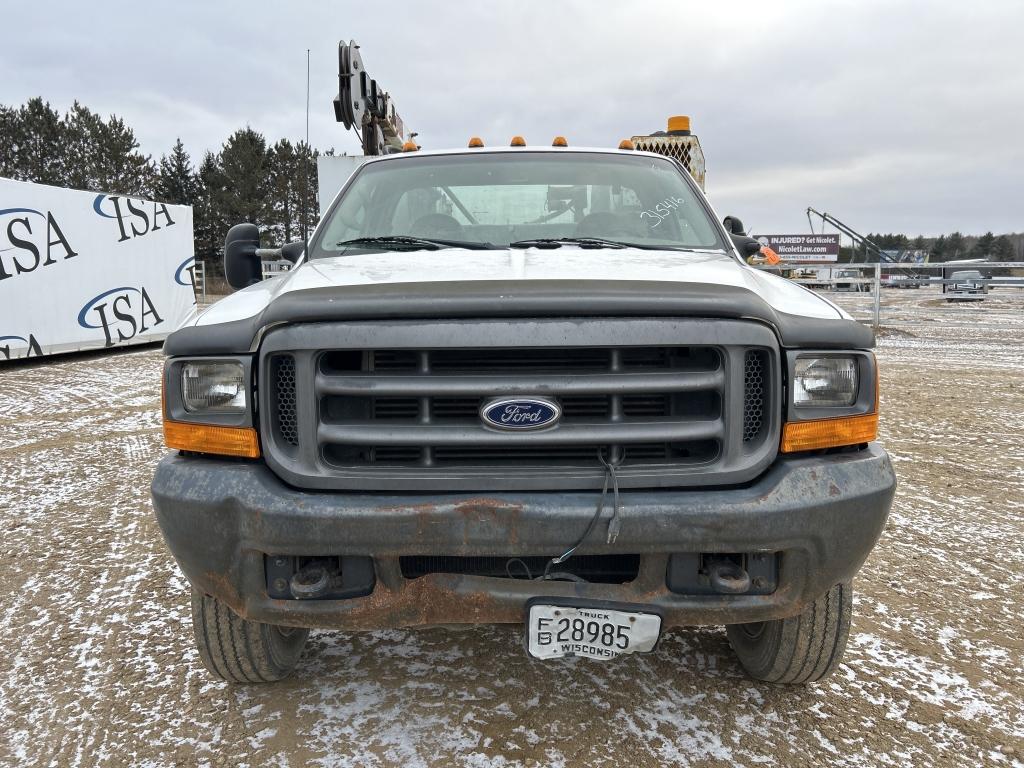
[(509, 298)]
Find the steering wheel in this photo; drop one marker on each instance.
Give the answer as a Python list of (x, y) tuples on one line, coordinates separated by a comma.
[(437, 225), (607, 225)]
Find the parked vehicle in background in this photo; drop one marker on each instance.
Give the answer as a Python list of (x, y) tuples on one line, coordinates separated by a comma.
[(968, 285), (900, 281), (844, 281)]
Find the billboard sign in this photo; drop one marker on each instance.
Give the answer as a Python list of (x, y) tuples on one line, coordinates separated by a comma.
[(808, 248), (80, 270)]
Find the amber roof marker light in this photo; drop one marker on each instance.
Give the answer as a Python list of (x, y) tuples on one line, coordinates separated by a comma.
[(476, 142), (518, 141), (559, 141), (626, 144), (679, 125), (410, 146)]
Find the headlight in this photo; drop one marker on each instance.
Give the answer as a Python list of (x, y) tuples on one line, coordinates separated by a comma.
[(213, 387), (825, 382)]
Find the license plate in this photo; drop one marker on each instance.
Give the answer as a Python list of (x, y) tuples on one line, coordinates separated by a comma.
[(554, 631)]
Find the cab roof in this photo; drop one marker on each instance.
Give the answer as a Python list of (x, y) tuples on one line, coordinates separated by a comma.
[(513, 150)]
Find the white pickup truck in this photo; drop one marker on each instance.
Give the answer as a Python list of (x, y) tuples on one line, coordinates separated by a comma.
[(536, 386)]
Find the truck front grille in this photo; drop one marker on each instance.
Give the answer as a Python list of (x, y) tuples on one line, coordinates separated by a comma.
[(283, 380), (408, 417), (755, 371)]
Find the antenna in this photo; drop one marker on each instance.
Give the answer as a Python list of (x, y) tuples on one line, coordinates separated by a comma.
[(307, 96), (305, 170)]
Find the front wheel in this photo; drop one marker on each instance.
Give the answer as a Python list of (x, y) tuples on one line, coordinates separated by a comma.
[(242, 651), (800, 649)]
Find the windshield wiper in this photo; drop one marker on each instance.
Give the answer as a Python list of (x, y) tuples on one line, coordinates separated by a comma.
[(592, 242), (558, 242), (413, 243)]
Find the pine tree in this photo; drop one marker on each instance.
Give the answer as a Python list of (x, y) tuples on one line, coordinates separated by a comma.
[(1002, 249), (177, 183), (282, 175), (10, 129), (209, 225), (119, 166), (305, 189), (40, 144), (83, 137), (938, 250), (983, 248), (954, 246), (242, 195), (102, 155)]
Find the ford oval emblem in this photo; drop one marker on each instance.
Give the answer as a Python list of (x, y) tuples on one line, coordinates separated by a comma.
[(520, 413)]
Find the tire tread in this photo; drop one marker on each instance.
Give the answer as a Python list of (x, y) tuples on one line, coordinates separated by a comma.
[(800, 649), (239, 650)]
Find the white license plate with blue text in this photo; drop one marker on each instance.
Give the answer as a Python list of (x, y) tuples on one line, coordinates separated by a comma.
[(554, 631)]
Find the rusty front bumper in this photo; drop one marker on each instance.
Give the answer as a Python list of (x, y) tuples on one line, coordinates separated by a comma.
[(220, 517)]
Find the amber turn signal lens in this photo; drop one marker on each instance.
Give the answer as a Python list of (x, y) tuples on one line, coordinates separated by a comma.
[(207, 438), (829, 433)]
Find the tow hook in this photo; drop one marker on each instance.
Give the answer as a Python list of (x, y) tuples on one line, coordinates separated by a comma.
[(311, 582), (728, 578)]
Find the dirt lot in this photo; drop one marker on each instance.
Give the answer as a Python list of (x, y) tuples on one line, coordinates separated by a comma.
[(98, 668)]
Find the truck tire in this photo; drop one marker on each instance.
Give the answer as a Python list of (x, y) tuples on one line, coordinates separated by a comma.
[(800, 649), (243, 651)]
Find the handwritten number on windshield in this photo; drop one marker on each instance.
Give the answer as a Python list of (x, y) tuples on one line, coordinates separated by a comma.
[(661, 211)]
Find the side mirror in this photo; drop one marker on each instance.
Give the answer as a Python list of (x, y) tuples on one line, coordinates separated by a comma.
[(747, 246), (242, 266), (733, 226), (293, 251)]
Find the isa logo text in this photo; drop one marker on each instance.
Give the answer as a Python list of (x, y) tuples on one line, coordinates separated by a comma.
[(135, 218), (122, 314), (30, 239), (13, 343)]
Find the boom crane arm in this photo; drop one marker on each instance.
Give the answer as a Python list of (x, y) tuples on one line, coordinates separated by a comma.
[(364, 107), (859, 239), (855, 236)]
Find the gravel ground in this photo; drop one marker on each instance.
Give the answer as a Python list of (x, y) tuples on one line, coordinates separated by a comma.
[(98, 666)]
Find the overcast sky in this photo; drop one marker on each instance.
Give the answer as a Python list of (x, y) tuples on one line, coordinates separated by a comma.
[(894, 116)]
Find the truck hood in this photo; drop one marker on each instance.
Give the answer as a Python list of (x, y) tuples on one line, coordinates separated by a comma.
[(575, 265), (508, 282)]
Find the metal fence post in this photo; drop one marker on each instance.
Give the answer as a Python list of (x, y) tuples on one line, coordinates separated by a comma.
[(878, 293), (199, 282)]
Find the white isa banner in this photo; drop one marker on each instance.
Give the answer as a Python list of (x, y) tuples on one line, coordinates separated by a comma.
[(80, 270)]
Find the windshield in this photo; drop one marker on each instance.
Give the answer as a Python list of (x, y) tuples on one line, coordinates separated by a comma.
[(494, 200)]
